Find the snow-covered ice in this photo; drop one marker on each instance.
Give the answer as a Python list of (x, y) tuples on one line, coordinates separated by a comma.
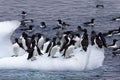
[(7, 28), (81, 60)]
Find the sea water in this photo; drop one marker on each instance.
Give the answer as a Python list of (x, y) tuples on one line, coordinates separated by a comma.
[(74, 12)]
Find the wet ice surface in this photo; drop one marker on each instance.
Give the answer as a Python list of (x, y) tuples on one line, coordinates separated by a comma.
[(74, 12)]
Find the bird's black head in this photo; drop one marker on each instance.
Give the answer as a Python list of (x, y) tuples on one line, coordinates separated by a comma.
[(54, 38), (100, 33), (24, 35), (85, 30), (30, 27), (33, 36), (119, 29), (79, 28), (59, 20), (16, 40), (93, 32), (92, 20), (72, 42), (42, 23), (23, 12), (114, 40), (58, 43), (32, 20), (47, 39), (78, 35), (39, 35)]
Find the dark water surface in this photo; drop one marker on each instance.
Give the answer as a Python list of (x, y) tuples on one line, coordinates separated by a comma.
[(74, 12)]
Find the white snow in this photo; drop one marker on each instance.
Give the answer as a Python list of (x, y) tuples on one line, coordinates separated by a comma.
[(7, 27), (81, 60)]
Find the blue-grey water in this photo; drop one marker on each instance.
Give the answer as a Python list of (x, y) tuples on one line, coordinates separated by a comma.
[(74, 12)]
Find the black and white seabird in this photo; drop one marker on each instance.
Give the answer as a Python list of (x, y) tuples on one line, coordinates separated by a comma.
[(24, 41), (112, 32), (47, 45), (64, 42), (61, 25), (25, 21), (52, 44), (117, 32), (23, 14), (85, 41), (108, 34), (116, 19), (69, 49), (93, 36), (28, 29), (30, 53), (116, 49), (53, 50), (116, 53), (102, 38), (37, 51), (99, 6), (99, 42), (32, 49), (79, 29), (114, 44), (40, 41), (78, 41), (43, 25), (16, 48), (91, 23)]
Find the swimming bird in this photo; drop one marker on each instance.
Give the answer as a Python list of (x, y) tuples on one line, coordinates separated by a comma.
[(23, 14), (43, 25), (91, 23), (116, 53), (114, 44), (108, 34), (28, 29), (59, 24), (116, 19), (117, 32), (116, 49), (25, 21), (62, 24), (99, 6), (112, 32)]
